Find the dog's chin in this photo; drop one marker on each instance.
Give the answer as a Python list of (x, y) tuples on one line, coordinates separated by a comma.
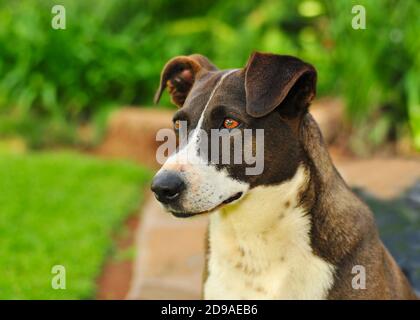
[(186, 214)]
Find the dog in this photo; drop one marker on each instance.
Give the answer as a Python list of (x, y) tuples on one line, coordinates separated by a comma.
[(295, 231)]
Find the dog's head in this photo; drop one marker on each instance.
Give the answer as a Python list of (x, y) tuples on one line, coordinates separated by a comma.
[(272, 93)]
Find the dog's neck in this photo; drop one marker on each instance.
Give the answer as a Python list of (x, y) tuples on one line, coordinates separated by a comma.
[(338, 216), (265, 205), (266, 236)]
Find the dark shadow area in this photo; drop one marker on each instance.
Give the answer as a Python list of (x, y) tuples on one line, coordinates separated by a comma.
[(398, 221)]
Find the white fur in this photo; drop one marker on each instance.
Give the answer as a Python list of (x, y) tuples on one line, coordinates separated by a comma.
[(259, 249), (207, 186)]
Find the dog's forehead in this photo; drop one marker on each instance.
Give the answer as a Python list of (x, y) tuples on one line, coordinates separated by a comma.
[(231, 92)]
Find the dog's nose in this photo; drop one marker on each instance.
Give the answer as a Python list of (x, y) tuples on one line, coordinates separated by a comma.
[(167, 186)]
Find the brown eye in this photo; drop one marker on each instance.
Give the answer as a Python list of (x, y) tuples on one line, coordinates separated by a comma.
[(177, 124), (230, 123)]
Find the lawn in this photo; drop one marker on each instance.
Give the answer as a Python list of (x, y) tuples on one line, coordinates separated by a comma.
[(61, 209)]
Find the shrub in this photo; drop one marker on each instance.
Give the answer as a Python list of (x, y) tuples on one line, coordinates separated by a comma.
[(112, 52)]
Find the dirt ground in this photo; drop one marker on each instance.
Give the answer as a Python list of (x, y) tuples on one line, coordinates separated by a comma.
[(114, 282)]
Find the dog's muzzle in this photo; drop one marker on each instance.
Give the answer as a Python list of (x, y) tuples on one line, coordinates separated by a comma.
[(168, 187)]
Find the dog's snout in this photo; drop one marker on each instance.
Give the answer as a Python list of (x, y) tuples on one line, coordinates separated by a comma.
[(167, 186)]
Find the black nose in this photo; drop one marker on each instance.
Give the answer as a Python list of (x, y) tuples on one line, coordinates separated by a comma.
[(167, 186)]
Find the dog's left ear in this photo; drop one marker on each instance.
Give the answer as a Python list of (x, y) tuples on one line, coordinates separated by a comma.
[(273, 81), (179, 74)]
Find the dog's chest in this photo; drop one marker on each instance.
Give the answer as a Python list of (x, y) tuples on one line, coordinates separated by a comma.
[(261, 250)]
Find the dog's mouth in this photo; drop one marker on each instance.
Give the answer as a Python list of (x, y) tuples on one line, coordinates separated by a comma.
[(231, 199)]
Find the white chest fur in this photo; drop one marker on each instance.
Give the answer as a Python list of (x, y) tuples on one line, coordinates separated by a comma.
[(260, 248)]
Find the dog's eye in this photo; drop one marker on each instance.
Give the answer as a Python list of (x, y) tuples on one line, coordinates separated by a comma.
[(177, 125), (230, 123)]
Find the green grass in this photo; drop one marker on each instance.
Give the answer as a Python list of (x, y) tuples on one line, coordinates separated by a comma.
[(61, 209)]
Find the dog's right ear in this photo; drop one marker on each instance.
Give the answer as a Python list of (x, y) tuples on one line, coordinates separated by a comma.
[(179, 75), (270, 79)]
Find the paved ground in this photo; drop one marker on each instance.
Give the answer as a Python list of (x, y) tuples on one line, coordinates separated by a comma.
[(170, 255), (170, 250)]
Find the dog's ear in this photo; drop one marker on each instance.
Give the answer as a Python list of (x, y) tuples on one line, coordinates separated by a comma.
[(179, 75), (274, 80)]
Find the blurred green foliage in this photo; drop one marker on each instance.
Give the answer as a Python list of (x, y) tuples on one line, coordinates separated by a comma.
[(112, 52), (61, 209)]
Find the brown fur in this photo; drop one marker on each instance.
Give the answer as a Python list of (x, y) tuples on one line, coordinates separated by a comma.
[(343, 229)]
